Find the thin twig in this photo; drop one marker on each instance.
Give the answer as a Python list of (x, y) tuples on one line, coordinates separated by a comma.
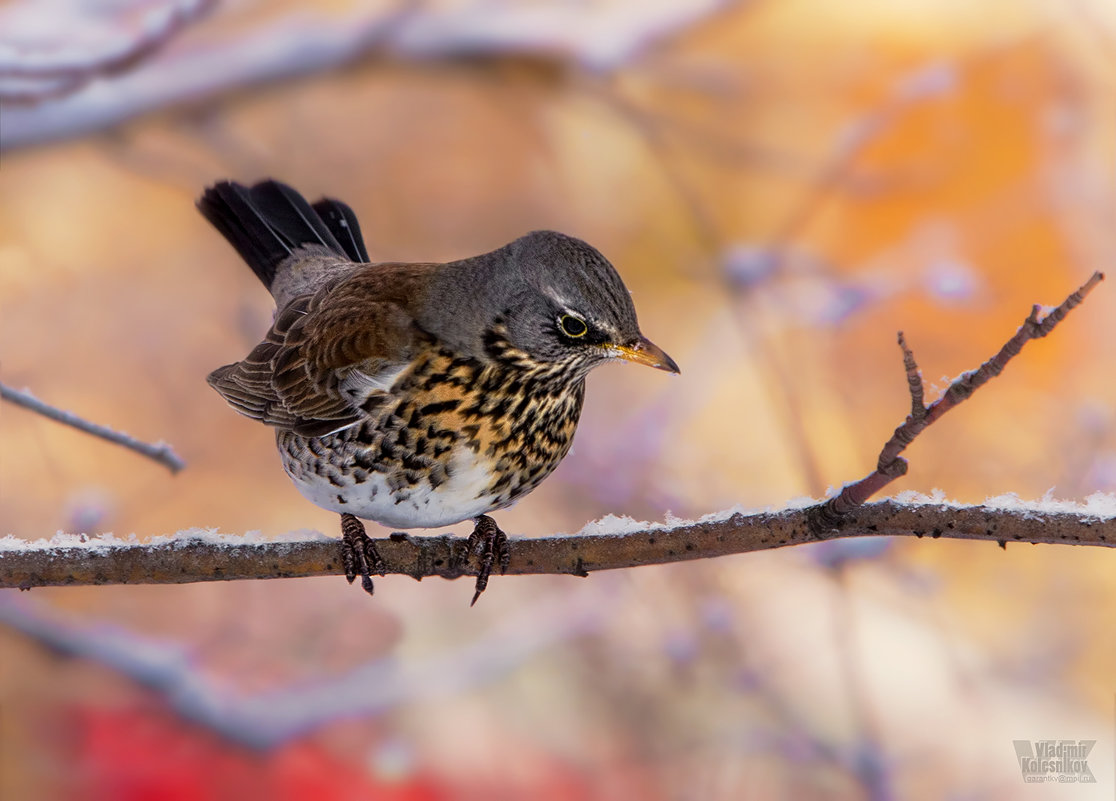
[(891, 465), (161, 452), (914, 381)]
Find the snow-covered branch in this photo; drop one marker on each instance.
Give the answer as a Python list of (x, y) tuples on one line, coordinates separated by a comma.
[(891, 465), (604, 545)]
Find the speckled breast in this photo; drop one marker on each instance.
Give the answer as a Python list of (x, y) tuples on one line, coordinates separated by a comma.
[(454, 439)]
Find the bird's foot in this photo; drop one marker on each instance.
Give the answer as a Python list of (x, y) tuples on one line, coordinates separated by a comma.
[(491, 544), (359, 554)]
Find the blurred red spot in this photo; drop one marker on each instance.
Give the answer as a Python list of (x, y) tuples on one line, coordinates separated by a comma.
[(143, 755)]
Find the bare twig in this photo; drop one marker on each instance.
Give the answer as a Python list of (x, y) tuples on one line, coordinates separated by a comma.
[(891, 465), (161, 452)]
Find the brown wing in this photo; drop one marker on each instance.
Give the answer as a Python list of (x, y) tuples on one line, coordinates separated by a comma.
[(327, 361)]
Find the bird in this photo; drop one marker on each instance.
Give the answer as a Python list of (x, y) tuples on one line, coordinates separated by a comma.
[(417, 395)]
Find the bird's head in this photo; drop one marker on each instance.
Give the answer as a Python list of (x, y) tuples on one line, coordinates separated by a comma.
[(568, 306)]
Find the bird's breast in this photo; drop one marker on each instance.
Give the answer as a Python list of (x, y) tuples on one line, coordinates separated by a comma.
[(455, 439)]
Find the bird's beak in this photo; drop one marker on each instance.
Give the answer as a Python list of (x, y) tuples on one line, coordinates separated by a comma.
[(644, 351)]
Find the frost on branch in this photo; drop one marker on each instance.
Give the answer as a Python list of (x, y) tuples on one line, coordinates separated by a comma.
[(603, 545)]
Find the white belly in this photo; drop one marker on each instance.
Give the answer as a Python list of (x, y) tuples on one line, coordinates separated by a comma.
[(461, 497)]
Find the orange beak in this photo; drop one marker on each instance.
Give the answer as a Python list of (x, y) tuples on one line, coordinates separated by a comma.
[(644, 351)]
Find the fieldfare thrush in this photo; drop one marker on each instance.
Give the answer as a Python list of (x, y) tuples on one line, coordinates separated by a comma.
[(418, 395)]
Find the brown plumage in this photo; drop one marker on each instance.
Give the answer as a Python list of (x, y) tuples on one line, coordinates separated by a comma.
[(418, 395)]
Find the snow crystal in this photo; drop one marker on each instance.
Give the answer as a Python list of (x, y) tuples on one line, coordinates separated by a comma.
[(915, 498), (618, 525), (1099, 505), (64, 540), (108, 540)]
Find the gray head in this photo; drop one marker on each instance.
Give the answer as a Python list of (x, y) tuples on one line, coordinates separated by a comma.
[(560, 302)]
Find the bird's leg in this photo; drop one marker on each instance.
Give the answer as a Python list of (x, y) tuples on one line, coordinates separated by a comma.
[(359, 554), (493, 544)]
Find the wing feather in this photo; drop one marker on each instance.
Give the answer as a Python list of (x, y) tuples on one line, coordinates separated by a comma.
[(323, 362)]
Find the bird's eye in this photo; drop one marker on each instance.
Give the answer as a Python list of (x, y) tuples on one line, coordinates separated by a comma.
[(572, 327)]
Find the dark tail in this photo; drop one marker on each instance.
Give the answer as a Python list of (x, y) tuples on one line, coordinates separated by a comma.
[(342, 223), (268, 221)]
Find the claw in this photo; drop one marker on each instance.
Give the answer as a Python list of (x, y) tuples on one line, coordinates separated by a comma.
[(491, 544), (359, 554)]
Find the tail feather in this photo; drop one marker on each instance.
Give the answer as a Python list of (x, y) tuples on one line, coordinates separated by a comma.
[(268, 221), (342, 222)]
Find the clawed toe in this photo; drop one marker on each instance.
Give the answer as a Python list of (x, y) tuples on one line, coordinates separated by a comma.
[(360, 557), (491, 544), (359, 554)]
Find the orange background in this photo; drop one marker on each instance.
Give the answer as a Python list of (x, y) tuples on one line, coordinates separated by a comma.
[(783, 187)]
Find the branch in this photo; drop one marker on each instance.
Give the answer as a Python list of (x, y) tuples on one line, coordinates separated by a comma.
[(161, 452), (34, 75), (193, 557), (607, 545), (270, 718), (891, 465), (598, 37)]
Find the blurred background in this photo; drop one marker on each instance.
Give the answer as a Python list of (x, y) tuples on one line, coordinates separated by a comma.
[(783, 184)]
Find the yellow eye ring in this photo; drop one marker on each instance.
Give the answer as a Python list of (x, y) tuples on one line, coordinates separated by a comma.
[(573, 327)]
